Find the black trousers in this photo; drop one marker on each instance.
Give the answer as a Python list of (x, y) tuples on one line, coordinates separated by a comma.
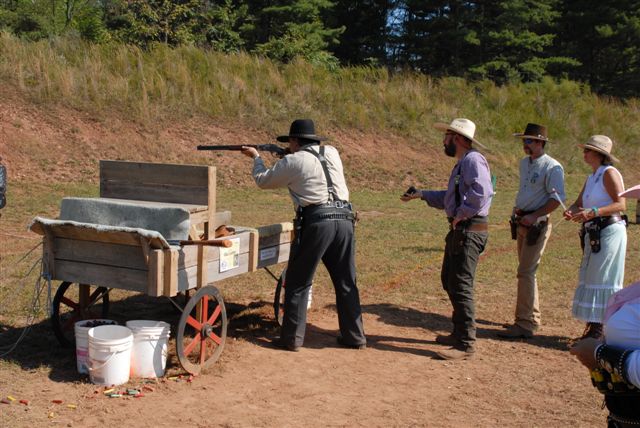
[(457, 275), (332, 242)]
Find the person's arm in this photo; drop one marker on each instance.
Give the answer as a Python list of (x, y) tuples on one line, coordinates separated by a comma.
[(613, 185), (268, 178), (433, 198), (593, 354)]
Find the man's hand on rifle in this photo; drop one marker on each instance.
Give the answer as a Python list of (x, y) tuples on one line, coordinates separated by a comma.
[(250, 152)]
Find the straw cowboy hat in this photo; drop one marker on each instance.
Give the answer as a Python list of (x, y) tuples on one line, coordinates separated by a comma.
[(601, 144), (533, 131), (464, 127), (301, 128)]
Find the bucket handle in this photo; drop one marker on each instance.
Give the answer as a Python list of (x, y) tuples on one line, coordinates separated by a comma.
[(89, 362)]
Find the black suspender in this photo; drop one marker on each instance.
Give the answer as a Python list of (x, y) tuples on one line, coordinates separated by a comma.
[(323, 161)]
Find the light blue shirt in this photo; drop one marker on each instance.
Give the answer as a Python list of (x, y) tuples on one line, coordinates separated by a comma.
[(538, 178)]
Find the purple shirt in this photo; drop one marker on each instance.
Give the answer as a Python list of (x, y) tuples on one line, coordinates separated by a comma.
[(475, 189)]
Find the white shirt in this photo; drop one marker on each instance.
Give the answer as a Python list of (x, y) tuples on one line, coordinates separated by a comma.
[(622, 330), (302, 174), (595, 194)]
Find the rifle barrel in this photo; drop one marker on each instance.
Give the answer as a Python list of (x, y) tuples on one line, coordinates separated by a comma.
[(226, 147)]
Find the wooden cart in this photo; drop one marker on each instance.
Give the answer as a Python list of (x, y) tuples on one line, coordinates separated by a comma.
[(126, 254)]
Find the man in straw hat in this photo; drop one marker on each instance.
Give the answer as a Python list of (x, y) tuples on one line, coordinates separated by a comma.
[(323, 231), (600, 209), (466, 203), (540, 192)]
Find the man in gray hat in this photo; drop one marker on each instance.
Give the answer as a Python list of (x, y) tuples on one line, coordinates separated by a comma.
[(324, 231), (466, 202), (540, 192)]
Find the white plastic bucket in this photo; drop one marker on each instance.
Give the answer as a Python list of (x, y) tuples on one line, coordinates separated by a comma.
[(82, 342), (110, 354), (150, 347)]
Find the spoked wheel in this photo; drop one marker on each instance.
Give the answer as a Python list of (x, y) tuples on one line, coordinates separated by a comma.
[(202, 330), (79, 303), (278, 300)]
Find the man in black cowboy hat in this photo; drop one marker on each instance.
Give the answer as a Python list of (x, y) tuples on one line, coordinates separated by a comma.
[(323, 231), (541, 191)]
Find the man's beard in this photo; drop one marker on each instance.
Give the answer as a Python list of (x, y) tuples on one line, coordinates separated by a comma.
[(528, 151), (450, 149)]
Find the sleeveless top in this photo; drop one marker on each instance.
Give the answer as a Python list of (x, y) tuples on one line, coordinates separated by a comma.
[(595, 194)]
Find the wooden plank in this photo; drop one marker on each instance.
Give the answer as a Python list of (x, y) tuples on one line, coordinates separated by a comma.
[(212, 223), (102, 253), (157, 192), (156, 273), (253, 250), (281, 238), (273, 255), (189, 254), (88, 234), (147, 172), (187, 278), (49, 252), (201, 267), (170, 273), (100, 275)]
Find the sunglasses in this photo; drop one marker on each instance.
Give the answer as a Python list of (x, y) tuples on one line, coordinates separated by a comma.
[(528, 140)]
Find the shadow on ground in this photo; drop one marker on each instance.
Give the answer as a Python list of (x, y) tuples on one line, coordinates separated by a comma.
[(40, 348)]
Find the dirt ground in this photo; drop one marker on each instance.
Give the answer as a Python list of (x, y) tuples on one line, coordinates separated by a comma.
[(394, 382)]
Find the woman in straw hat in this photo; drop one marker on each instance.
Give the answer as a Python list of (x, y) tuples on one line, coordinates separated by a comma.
[(600, 210)]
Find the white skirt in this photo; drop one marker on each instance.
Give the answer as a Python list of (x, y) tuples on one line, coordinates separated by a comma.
[(601, 273)]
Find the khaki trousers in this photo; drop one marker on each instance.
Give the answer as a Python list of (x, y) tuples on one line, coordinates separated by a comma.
[(527, 304)]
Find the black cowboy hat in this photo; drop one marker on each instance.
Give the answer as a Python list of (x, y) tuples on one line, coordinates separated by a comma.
[(536, 132), (301, 128)]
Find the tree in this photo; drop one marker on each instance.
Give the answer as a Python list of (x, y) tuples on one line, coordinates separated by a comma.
[(366, 36), (291, 28), (605, 38)]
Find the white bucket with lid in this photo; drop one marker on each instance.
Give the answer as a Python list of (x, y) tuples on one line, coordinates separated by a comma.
[(110, 354), (81, 329), (150, 347)]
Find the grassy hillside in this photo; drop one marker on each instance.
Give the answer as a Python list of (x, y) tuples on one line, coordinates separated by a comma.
[(151, 88)]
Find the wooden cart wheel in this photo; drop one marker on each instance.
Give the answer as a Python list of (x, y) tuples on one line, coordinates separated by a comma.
[(202, 330), (278, 300), (68, 308)]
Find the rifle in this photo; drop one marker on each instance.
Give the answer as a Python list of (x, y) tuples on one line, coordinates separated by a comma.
[(271, 148)]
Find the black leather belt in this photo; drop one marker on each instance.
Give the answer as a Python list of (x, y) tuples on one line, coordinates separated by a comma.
[(604, 221), (474, 224), (331, 211)]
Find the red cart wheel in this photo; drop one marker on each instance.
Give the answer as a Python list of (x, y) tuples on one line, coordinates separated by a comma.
[(68, 308), (202, 330), (278, 300)]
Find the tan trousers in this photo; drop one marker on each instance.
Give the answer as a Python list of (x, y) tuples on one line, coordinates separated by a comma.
[(527, 304)]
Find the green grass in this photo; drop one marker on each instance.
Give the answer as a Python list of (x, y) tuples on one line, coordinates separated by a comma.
[(150, 86), (399, 253)]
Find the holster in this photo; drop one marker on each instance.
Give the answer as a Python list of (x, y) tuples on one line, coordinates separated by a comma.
[(513, 223), (534, 232), (458, 238), (593, 230)]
